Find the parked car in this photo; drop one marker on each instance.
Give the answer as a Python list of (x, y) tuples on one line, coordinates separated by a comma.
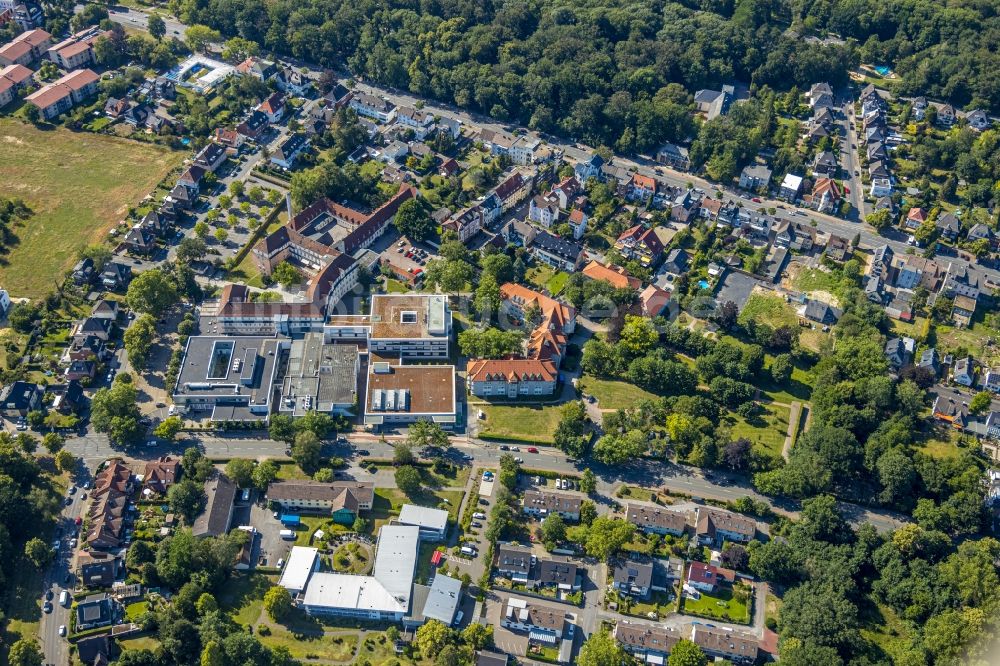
[(532, 449)]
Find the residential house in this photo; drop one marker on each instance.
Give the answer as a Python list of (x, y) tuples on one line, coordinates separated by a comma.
[(524, 150), (915, 217), (26, 48), (342, 500), (515, 562), (899, 351), (676, 263), (83, 272), (648, 643), (139, 240), (13, 78), (714, 103), (258, 68), (211, 157), (487, 658), (543, 211), (64, 93), (791, 187), (838, 248), (632, 577), (653, 300), (338, 97), (577, 222), (978, 120), (98, 569), (929, 359), (641, 187), (541, 503), (825, 164), (77, 50), (919, 107), (980, 231), (466, 223), (640, 244), (512, 378), (946, 115), (755, 177), (289, 150), (820, 96), (557, 572), (421, 122), (116, 276), (559, 253), (80, 370), (160, 474), (590, 168), (616, 276), (229, 138), (543, 623), (991, 382), (963, 371), (255, 124), (656, 519), (962, 311), (724, 643), (373, 107), (673, 156), (518, 233), (707, 577), (948, 226), (716, 526), (913, 271), (826, 195), (821, 313), (218, 513), (97, 610), (18, 398), (293, 81), (881, 187)]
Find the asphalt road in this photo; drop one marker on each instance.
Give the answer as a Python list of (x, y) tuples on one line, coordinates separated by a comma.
[(55, 647)]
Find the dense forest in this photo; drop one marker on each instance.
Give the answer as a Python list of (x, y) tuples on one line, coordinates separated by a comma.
[(620, 73)]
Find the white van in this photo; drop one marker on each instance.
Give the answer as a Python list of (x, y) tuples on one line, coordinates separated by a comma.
[(287, 534), (479, 515), (468, 550), (64, 598)]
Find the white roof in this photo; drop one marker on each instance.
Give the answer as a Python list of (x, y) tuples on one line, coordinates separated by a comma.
[(792, 181), (300, 564), (337, 590), (423, 516), (396, 560)]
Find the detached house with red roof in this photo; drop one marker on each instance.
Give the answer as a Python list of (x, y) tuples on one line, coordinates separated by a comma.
[(641, 244), (273, 107), (641, 187)]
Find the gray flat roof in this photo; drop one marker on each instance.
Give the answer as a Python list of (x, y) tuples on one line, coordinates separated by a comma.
[(320, 376), (443, 599), (423, 516), (230, 367)]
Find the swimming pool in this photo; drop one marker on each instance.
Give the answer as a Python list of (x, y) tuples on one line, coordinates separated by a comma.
[(882, 70), (702, 284)]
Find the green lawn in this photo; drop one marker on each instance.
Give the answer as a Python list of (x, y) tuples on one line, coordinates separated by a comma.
[(134, 611), (396, 287), (612, 394), (352, 558), (941, 443), (243, 597), (890, 632), (767, 431), (79, 185), (722, 605), (658, 602), (528, 423), (544, 277), (336, 647), (798, 387), (769, 309)]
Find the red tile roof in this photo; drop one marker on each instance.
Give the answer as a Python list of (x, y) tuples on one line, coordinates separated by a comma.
[(511, 370), (616, 276)]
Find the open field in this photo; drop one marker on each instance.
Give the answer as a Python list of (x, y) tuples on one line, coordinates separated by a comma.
[(766, 431), (768, 309), (613, 394), (530, 423), (729, 605), (78, 185), (337, 647)]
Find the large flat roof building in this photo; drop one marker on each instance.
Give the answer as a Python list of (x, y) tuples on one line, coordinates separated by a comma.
[(399, 394), (320, 376), (384, 595), (302, 563), (411, 326), (443, 599), (433, 523), (233, 377)]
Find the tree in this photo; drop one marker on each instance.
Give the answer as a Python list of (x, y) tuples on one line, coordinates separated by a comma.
[(239, 49), (980, 403), (139, 339), (413, 221), (573, 433), (638, 336), (553, 531), (307, 452), (426, 434), (588, 481), (478, 636), (99, 254), (240, 470), (53, 442), (115, 411), (286, 274), (198, 37), (156, 26), (264, 474), (489, 342), (151, 292), (33, 116), (781, 368), (736, 454), (277, 603), (221, 235), (38, 553), (607, 535), (488, 298), (402, 454), (318, 424), (186, 498), (191, 249), (25, 652), (433, 637), (65, 461), (880, 219), (282, 428), (600, 649), (212, 654), (408, 480), (201, 230), (168, 428), (727, 314), (686, 653)]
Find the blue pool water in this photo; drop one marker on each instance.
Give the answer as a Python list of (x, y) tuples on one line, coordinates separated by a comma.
[(882, 70), (185, 141), (703, 285)]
